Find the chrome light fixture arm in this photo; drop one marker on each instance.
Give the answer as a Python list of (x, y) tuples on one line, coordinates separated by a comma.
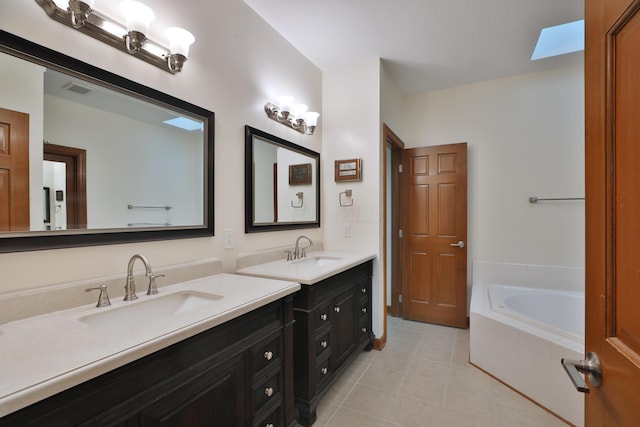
[(80, 16)]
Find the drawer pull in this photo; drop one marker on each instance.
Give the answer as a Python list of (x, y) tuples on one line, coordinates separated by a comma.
[(323, 317), (323, 344), (324, 371), (268, 391), (364, 290), (268, 355), (269, 425), (336, 309), (364, 310), (364, 330)]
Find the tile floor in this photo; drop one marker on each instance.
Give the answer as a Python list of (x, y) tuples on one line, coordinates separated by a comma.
[(422, 378)]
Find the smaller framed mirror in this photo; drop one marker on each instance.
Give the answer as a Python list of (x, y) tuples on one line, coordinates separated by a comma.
[(282, 184)]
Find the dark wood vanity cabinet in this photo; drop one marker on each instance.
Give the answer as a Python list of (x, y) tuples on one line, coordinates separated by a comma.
[(332, 326), (236, 374)]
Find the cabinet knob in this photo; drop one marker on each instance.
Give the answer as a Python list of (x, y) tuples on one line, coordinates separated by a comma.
[(364, 290), (364, 309), (323, 344), (323, 317), (269, 425), (336, 309), (268, 355), (268, 391), (364, 330), (324, 371)]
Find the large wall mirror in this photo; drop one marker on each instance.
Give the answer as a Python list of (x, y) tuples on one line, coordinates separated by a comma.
[(91, 158), (282, 184)]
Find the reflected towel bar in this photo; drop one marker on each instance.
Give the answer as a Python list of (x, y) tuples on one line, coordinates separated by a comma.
[(536, 200), (149, 207)]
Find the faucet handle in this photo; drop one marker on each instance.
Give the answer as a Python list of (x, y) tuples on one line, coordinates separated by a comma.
[(153, 289), (289, 255), (103, 298)]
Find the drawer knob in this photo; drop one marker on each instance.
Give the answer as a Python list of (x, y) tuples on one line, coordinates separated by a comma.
[(364, 309), (323, 344), (364, 330), (324, 371), (323, 317), (336, 309), (364, 290), (268, 355), (269, 425), (268, 391)]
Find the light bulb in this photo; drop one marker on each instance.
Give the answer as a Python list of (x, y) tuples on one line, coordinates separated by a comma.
[(179, 41)]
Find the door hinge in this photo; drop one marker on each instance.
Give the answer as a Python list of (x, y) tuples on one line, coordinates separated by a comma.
[(400, 298), (400, 168), (400, 233)]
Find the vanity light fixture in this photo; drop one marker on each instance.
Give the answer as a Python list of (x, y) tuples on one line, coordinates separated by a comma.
[(130, 37), (293, 115)]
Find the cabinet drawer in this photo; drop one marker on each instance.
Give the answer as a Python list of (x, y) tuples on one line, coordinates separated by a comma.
[(363, 328), (323, 372), (322, 342), (321, 315), (267, 391), (272, 419), (267, 352)]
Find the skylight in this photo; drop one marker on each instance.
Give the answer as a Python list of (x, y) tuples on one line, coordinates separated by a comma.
[(186, 124), (559, 40)]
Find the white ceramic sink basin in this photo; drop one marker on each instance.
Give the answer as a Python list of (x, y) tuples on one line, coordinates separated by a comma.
[(317, 261), (143, 312)]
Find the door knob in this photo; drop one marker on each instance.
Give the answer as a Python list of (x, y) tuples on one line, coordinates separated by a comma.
[(460, 244), (590, 367)]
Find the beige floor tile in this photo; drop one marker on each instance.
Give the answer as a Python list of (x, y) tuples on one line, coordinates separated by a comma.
[(410, 412), (407, 336), (389, 360), (434, 353), (472, 379), (461, 399), (368, 400), (385, 379), (429, 369), (423, 388), (437, 340), (400, 347), (346, 417), (324, 412), (338, 392), (354, 371)]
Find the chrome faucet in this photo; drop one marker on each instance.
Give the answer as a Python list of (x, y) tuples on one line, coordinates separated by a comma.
[(130, 286), (299, 252)]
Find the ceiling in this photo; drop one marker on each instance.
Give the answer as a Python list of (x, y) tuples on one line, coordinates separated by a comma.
[(425, 44)]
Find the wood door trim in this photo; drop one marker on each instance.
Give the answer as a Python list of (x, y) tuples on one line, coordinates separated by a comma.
[(80, 201), (389, 137)]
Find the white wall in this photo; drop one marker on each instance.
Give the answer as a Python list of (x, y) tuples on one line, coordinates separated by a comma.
[(525, 138), (236, 65), (351, 118)]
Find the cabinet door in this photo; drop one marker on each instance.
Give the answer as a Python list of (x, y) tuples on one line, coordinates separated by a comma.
[(215, 398), (343, 324)]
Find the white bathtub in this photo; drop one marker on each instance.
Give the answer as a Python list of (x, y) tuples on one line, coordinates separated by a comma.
[(519, 334)]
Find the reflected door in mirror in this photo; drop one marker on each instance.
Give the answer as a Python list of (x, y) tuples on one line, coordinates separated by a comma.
[(14, 170)]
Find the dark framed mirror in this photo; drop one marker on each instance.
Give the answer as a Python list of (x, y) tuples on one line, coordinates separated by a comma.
[(282, 184), (124, 162)]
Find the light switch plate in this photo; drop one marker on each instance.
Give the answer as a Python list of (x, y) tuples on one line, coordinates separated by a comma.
[(228, 238)]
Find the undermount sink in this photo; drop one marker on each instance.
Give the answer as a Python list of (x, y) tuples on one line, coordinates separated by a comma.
[(317, 261), (143, 312)]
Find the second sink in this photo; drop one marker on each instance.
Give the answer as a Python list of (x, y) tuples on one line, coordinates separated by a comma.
[(142, 312)]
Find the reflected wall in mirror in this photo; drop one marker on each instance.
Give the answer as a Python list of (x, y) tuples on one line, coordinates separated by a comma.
[(123, 162), (282, 184)]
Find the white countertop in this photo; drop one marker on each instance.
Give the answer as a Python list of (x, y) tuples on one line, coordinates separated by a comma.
[(303, 272), (43, 355)]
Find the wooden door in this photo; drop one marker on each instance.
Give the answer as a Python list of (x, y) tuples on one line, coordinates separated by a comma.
[(75, 160), (434, 286), (14, 171), (612, 67)]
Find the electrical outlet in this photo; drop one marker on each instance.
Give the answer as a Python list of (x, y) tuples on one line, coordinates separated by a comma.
[(228, 238), (346, 230)]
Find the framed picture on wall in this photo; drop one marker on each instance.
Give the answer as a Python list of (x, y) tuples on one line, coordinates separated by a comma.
[(300, 174), (348, 170)]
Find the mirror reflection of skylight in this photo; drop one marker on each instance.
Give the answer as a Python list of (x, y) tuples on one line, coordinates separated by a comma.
[(186, 124), (559, 40)]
